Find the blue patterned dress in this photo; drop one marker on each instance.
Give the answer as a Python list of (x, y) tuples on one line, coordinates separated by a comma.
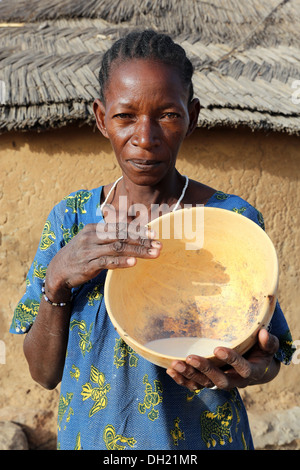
[(111, 398)]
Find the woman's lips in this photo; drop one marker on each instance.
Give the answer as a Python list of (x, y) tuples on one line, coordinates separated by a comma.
[(144, 165)]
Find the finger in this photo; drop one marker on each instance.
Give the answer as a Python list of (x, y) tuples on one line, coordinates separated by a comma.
[(235, 360), (267, 342), (91, 238), (185, 374), (112, 262), (111, 237), (120, 230), (213, 375), (124, 231), (188, 383), (123, 248)]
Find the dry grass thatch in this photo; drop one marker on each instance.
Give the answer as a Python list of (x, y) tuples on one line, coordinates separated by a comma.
[(246, 55)]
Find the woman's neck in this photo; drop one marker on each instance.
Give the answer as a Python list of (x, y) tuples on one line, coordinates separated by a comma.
[(166, 192), (129, 199)]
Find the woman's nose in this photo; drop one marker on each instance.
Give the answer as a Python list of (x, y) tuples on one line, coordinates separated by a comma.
[(146, 133)]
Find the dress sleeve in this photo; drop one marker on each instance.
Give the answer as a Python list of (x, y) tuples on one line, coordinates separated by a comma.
[(51, 242), (279, 327)]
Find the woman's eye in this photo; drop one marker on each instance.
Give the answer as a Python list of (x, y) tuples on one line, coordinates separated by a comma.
[(123, 116), (171, 115)]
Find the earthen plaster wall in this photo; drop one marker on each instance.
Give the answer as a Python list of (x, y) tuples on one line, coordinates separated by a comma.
[(39, 169)]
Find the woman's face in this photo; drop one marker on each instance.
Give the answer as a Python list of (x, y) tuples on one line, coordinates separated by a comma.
[(146, 116)]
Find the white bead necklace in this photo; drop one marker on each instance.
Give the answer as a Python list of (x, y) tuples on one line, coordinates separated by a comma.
[(177, 203)]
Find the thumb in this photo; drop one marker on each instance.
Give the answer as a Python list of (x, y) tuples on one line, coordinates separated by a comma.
[(267, 342)]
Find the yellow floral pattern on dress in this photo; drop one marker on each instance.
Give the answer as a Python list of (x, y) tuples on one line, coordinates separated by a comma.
[(221, 195), (121, 352), (70, 413), (237, 406), (239, 210), (287, 347), (216, 426), (111, 439), (84, 335), (48, 236), (39, 271), (78, 442), (25, 314), (98, 393), (76, 374), (69, 233), (63, 405), (95, 295), (152, 398), (245, 445), (77, 202), (194, 393), (176, 433)]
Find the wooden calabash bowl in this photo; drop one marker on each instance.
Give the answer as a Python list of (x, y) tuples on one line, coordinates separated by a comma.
[(216, 278)]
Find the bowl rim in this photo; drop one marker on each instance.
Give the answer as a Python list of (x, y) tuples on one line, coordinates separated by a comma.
[(241, 345)]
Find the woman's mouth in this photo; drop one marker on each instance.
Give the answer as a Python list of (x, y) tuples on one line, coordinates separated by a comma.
[(144, 165)]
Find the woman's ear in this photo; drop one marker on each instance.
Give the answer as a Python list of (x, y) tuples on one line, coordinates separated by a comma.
[(99, 112), (194, 110)]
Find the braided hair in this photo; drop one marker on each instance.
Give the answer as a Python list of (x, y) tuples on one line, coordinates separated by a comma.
[(147, 45)]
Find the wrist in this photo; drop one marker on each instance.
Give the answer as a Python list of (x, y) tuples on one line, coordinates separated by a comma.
[(55, 292)]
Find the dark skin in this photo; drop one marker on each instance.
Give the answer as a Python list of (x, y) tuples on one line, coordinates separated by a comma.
[(146, 116)]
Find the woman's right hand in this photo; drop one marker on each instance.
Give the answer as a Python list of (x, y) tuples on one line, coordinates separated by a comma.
[(94, 248)]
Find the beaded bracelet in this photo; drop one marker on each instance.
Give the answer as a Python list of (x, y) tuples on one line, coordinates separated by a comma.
[(60, 304)]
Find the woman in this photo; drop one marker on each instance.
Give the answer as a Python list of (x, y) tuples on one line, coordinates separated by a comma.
[(110, 397)]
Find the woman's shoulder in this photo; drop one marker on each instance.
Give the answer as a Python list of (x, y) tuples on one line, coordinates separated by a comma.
[(78, 201), (236, 204), (211, 197)]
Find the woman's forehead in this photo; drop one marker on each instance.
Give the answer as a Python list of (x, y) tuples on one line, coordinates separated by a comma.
[(141, 76)]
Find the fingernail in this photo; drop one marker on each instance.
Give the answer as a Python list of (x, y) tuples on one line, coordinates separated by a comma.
[(156, 244), (179, 367), (222, 354), (153, 251), (130, 261)]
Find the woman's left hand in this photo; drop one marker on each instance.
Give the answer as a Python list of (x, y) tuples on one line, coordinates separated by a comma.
[(259, 367)]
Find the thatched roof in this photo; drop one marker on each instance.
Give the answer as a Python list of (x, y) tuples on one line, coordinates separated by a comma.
[(246, 54)]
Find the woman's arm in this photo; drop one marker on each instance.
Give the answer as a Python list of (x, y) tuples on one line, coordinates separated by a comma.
[(81, 260), (45, 343)]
